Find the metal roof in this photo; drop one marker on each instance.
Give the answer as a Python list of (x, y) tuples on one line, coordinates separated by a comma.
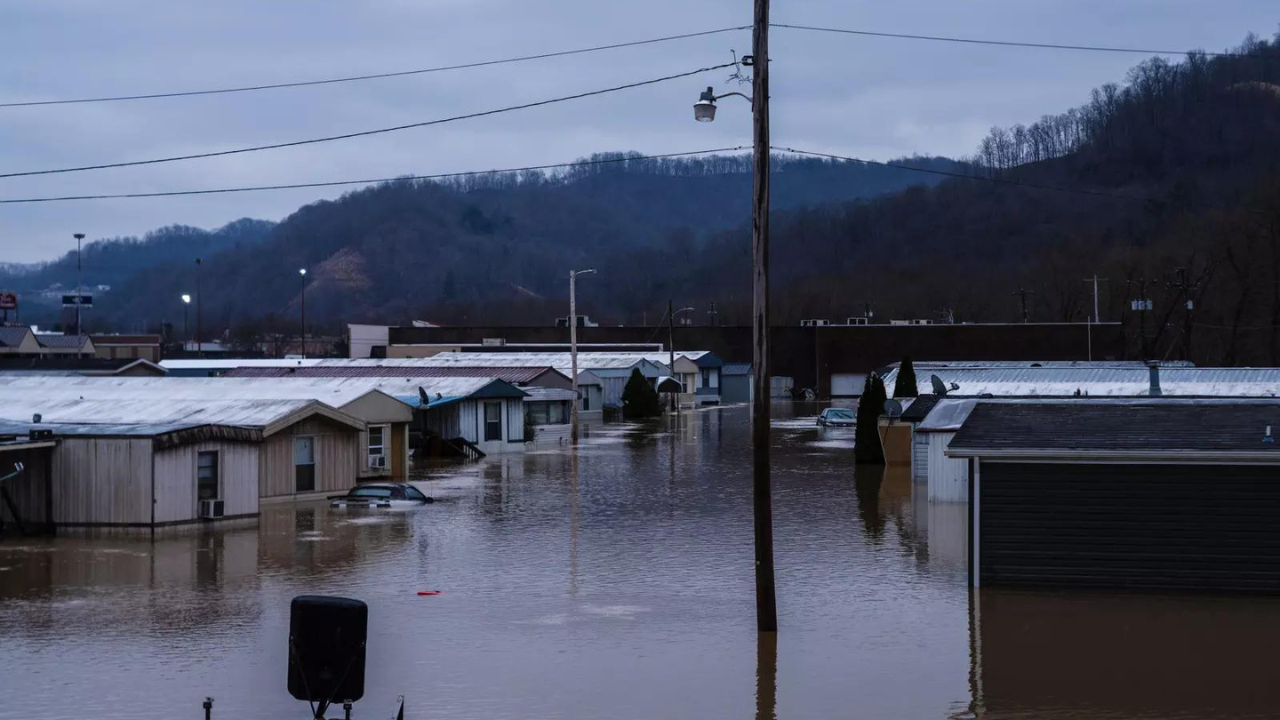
[(331, 368), (165, 388), (541, 394), (558, 360), (228, 363), (1148, 427), (736, 369), (1096, 381), (919, 408), (150, 411), (995, 364), (947, 415)]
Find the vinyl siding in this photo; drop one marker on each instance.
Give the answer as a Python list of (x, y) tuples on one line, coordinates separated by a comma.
[(102, 481)]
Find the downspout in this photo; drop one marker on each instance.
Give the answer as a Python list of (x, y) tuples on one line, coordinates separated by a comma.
[(1153, 372)]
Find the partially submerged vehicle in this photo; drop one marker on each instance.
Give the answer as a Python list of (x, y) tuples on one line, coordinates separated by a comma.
[(381, 495)]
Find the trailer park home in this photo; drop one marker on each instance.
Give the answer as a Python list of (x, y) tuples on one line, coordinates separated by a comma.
[(1169, 494), (477, 416), (384, 443), (149, 463)]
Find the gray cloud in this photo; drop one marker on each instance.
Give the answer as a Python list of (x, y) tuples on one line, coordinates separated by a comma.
[(869, 97)]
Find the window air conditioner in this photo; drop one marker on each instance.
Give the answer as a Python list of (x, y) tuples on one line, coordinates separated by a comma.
[(211, 509), (378, 462)]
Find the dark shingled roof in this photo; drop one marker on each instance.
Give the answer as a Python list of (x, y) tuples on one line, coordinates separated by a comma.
[(1156, 426), (61, 341), (919, 408), (12, 336)]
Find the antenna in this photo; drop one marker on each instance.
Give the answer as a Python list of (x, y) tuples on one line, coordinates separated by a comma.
[(939, 388), (892, 408)]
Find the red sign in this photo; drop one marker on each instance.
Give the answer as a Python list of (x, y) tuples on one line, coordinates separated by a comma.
[(8, 301)]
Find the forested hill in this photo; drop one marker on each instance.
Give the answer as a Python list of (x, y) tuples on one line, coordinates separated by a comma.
[(413, 248), (1167, 186)]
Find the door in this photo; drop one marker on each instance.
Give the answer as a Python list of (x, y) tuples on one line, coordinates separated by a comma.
[(1201, 527), (847, 384), (492, 421), (304, 464)]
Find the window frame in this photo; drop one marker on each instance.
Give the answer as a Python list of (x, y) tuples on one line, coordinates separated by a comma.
[(384, 434), (201, 482), (488, 424)]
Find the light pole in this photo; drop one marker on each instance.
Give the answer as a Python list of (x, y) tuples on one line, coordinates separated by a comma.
[(302, 272), (573, 347), (186, 303), (671, 346), (79, 290), (762, 500), (199, 314)]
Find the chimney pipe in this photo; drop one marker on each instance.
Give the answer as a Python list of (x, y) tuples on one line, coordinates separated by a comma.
[(1153, 371)]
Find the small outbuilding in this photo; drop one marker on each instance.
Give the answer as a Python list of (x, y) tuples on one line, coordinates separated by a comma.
[(1124, 494)]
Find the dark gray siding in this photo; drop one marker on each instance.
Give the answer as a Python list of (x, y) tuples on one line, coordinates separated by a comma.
[(1130, 526)]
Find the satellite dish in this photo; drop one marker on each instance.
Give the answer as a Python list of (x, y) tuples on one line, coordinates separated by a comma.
[(892, 408), (423, 397), (939, 388)]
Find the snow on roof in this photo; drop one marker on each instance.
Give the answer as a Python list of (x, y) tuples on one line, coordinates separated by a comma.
[(1098, 381), (947, 415), (228, 363), (150, 411), (541, 394), (557, 360), (332, 391)]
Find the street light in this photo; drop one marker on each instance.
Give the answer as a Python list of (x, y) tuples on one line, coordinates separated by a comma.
[(705, 109), (761, 484), (186, 303), (302, 273), (573, 347)]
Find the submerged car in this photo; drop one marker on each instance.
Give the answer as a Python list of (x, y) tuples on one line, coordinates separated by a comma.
[(836, 417), (381, 495)]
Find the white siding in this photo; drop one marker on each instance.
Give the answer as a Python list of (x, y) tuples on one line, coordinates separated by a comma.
[(513, 410), (175, 479), (612, 390), (847, 384), (948, 477), (919, 455)]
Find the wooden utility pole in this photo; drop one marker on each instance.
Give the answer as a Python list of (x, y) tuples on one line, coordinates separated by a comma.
[(573, 348), (762, 499)]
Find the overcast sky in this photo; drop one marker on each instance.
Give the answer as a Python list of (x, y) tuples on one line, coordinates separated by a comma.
[(869, 97)]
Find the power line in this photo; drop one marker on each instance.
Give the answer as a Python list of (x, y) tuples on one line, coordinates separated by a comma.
[(363, 133), (374, 76), (980, 178), (335, 183), (1011, 43)]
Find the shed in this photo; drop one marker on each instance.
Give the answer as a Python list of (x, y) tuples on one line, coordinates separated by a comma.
[(735, 383), (912, 416), (1135, 495), (485, 414), (947, 478)]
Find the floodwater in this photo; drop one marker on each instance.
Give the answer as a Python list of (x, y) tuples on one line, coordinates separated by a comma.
[(616, 584)]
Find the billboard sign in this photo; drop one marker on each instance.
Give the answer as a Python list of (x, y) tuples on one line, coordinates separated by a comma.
[(8, 301), (74, 300)]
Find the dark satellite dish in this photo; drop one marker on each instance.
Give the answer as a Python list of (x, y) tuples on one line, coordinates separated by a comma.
[(939, 388), (423, 397), (892, 408)]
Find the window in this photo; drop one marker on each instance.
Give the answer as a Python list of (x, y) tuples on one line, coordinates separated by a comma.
[(586, 399), (492, 421), (414, 494), (377, 443), (207, 476), (304, 464), (370, 492)]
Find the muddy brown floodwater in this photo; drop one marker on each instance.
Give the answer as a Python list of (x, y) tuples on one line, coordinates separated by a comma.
[(617, 584)]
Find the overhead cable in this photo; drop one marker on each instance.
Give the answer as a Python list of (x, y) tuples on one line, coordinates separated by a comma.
[(1009, 43), (374, 76), (364, 133)]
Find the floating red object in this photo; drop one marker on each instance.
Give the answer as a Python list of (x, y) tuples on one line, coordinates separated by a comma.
[(428, 593)]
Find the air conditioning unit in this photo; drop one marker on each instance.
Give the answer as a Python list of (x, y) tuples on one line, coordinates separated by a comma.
[(211, 509), (814, 323), (378, 462), (493, 342)]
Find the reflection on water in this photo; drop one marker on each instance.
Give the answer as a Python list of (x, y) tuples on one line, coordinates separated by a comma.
[(615, 582)]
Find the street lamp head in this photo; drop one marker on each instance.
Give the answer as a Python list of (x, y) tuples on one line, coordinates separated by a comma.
[(302, 271), (78, 236), (705, 109), (186, 299)]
